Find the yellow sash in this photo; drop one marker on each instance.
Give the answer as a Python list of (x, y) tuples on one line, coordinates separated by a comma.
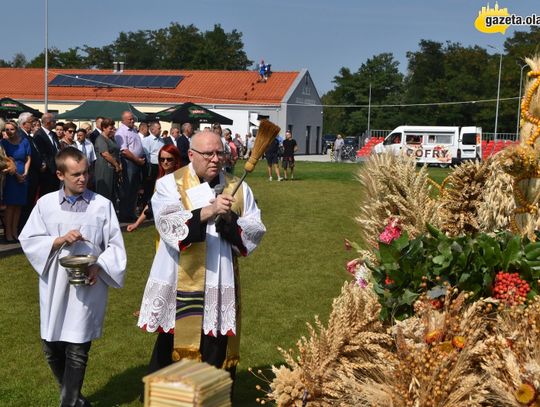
[(191, 282)]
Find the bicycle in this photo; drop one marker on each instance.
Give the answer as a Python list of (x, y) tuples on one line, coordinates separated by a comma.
[(348, 153)]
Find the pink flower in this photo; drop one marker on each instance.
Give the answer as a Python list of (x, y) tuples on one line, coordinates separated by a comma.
[(391, 232), (362, 282), (352, 266)]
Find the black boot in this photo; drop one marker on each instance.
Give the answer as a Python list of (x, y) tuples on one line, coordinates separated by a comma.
[(75, 369), (56, 358), (82, 402)]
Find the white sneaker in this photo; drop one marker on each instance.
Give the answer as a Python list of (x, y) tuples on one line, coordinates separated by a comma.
[(269, 178), (279, 178)]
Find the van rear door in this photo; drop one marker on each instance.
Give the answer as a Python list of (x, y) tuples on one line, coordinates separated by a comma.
[(470, 142)]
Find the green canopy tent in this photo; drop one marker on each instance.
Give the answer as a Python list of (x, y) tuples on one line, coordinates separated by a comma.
[(91, 109), (190, 113), (11, 108)]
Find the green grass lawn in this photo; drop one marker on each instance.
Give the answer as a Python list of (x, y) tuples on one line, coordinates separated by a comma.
[(293, 275)]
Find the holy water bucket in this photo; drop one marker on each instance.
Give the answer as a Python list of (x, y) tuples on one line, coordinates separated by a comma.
[(76, 265)]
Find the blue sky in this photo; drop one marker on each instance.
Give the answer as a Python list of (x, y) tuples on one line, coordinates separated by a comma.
[(322, 36)]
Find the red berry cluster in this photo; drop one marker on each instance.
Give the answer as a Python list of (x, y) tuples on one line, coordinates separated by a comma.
[(510, 289)]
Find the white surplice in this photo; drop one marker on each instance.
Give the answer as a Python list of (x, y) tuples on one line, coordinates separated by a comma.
[(158, 308), (73, 313)]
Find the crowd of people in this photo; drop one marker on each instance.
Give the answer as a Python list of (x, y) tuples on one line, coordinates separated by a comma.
[(123, 161), (70, 180)]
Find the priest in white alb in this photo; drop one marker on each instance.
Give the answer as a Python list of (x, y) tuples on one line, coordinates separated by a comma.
[(73, 221), (192, 295)]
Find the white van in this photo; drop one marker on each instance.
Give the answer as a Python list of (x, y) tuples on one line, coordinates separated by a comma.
[(441, 145)]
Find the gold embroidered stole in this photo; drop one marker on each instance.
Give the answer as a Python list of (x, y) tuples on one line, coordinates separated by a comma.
[(191, 282)]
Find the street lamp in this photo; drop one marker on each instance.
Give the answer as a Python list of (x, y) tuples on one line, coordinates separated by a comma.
[(519, 99), (498, 91), (46, 55)]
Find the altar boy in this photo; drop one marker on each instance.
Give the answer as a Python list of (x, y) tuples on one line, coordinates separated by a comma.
[(73, 220)]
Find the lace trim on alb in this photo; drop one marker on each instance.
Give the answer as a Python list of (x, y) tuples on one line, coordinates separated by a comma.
[(171, 223), (252, 232), (158, 308), (219, 310)]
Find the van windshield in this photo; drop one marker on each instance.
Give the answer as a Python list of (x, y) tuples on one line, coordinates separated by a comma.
[(469, 139), (394, 138)]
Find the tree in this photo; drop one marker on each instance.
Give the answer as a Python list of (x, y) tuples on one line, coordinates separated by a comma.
[(453, 73), (381, 71), (436, 72), (178, 45), (221, 50), (19, 60), (59, 59), (423, 81), (136, 49), (523, 44), (99, 58), (174, 47)]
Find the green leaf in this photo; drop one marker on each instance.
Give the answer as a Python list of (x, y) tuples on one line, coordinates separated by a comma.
[(440, 259), (512, 253), (433, 231), (388, 253), (456, 247), (408, 297), (401, 242), (444, 247), (463, 278), (379, 290)]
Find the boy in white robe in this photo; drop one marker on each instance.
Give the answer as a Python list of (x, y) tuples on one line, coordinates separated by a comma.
[(73, 220)]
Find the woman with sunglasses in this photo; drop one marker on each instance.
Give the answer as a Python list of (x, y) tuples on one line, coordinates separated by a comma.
[(169, 160), (16, 187), (69, 136)]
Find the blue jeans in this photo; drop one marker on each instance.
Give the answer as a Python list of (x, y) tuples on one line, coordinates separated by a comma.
[(68, 364)]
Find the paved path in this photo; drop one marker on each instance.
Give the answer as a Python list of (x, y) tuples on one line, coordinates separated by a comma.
[(317, 158), (313, 157)]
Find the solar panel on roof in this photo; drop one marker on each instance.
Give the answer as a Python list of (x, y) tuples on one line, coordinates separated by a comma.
[(170, 82), (119, 80)]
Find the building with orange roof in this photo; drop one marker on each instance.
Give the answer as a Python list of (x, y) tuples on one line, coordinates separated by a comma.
[(288, 99)]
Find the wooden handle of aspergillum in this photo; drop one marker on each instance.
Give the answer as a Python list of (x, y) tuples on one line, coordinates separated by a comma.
[(267, 133)]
